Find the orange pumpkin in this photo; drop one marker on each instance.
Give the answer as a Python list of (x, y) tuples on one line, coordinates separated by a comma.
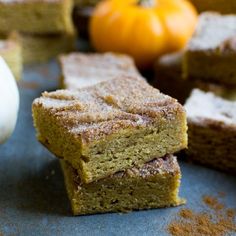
[(144, 29)]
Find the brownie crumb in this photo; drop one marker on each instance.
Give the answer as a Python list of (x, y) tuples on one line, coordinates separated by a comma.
[(186, 213), (231, 213), (213, 203)]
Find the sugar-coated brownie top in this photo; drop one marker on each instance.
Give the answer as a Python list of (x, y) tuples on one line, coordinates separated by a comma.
[(202, 106), (214, 31), (97, 111), (81, 70), (164, 165)]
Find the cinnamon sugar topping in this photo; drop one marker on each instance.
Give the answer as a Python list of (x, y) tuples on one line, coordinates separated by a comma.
[(109, 106)]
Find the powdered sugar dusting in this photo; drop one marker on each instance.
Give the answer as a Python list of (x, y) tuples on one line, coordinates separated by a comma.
[(82, 70), (201, 106), (50, 103), (213, 30), (73, 83)]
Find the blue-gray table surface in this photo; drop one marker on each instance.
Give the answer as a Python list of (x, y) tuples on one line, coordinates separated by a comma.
[(33, 199)]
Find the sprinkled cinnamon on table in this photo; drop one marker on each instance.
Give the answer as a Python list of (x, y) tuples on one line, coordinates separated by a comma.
[(217, 221)]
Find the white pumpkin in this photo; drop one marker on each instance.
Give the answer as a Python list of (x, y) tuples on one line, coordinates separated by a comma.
[(9, 101)]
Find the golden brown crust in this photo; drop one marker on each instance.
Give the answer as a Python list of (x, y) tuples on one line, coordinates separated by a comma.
[(97, 111), (154, 185)]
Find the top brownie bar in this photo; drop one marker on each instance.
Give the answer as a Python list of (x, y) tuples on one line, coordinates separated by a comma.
[(211, 53), (110, 127), (36, 16), (81, 70)]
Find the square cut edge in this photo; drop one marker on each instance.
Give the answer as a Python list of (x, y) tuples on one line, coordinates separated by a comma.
[(211, 53), (211, 131)]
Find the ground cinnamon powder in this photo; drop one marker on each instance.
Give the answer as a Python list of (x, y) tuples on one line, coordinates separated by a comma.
[(213, 203), (217, 221)]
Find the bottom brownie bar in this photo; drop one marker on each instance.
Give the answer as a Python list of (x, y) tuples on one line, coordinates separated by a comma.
[(154, 185), (211, 131)]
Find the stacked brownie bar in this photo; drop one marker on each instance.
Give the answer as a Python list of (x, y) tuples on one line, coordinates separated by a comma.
[(115, 138), (153, 185), (207, 63), (45, 26), (211, 53), (212, 130), (210, 57)]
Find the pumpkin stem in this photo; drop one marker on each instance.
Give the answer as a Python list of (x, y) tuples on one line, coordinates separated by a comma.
[(146, 3)]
